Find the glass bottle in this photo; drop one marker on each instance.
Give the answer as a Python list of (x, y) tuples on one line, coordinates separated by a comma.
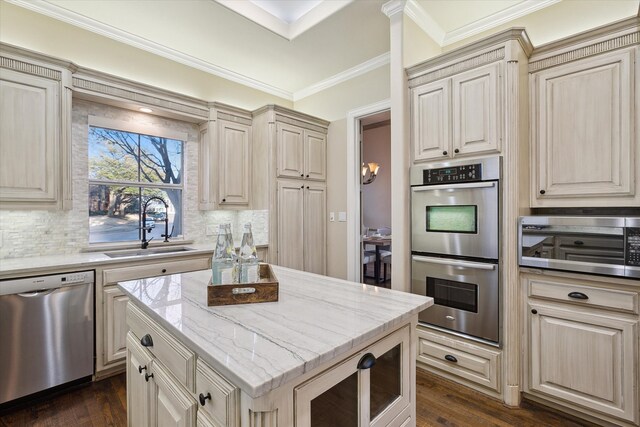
[(222, 264), (248, 259), (232, 251)]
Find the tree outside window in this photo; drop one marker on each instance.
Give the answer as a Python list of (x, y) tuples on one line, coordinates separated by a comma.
[(125, 170)]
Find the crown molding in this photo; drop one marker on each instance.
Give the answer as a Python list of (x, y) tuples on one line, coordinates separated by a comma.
[(516, 11), (358, 70), (280, 27), (97, 27), (414, 11), (392, 7)]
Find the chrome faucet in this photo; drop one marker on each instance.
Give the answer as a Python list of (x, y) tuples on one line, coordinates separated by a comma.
[(166, 235)]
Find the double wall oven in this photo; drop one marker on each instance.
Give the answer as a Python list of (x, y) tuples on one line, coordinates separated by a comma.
[(455, 245)]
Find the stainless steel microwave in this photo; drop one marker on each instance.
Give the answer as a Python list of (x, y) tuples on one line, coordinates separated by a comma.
[(590, 244)]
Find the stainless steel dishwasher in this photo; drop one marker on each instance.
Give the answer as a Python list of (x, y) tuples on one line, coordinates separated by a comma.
[(46, 332)]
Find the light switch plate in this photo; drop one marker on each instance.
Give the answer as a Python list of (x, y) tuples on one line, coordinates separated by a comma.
[(332, 216), (342, 216)]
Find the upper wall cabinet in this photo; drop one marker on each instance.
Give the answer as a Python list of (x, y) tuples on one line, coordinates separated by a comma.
[(585, 149), (301, 153), (225, 159), (35, 132), (457, 116)]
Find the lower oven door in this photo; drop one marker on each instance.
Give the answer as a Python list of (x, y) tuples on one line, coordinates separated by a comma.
[(466, 295)]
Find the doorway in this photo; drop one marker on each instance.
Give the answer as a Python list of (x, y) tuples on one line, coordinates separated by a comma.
[(368, 125)]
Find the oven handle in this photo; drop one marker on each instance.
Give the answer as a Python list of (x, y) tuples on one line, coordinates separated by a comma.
[(453, 186), (455, 263)]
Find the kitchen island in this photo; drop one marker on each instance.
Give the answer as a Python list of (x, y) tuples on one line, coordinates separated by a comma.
[(328, 351)]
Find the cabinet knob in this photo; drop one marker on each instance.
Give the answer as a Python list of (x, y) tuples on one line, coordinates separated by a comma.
[(456, 151), (542, 191), (302, 175), (164, 270), (577, 295), (147, 376), (367, 361), (444, 153), (534, 311), (142, 368), (307, 175), (203, 399), (307, 187), (224, 200), (451, 358), (146, 341)]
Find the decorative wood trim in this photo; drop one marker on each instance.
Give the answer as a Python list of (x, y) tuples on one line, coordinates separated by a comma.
[(586, 51), (66, 150), (467, 64), (29, 68), (376, 125), (303, 119), (263, 419), (138, 97)]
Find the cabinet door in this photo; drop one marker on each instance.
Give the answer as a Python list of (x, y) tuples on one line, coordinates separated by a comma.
[(350, 395), (431, 121), (587, 358), (291, 225), (234, 173), (138, 392), (29, 136), (475, 104), (171, 404), (583, 138), (115, 324), (290, 151), (315, 217), (315, 155)]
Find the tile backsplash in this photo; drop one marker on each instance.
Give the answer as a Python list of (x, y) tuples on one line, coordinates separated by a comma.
[(33, 233)]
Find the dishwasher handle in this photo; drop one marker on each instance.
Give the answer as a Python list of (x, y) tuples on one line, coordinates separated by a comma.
[(35, 294)]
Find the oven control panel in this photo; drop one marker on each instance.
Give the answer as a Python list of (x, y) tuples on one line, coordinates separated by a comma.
[(464, 173), (632, 246)]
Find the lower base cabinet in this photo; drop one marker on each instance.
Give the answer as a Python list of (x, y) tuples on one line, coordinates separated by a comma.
[(583, 354)]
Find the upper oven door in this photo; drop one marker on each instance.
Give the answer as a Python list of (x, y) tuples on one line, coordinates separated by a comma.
[(456, 219)]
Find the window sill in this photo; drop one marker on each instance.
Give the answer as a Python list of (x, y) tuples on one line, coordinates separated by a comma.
[(104, 247)]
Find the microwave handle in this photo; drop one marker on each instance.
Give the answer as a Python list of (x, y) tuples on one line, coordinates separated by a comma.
[(453, 186), (454, 263)]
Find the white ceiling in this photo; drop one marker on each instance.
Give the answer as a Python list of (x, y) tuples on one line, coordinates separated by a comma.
[(297, 48)]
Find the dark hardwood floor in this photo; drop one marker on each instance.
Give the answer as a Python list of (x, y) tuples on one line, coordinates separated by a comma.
[(439, 403)]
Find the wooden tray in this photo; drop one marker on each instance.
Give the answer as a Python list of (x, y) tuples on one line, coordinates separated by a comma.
[(264, 290)]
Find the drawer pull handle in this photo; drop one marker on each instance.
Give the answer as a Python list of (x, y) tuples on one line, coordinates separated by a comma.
[(578, 243), (164, 270), (577, 295), (142, 368), (451, 358), (203, 398), (147, 376), (146, 341), (367, 361)]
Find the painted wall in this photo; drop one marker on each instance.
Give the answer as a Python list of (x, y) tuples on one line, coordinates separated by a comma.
[(417, 45), (32, 233), (376, 197), (30, 30), (337, 198)]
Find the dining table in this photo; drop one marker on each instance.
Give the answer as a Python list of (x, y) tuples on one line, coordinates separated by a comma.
[(379, 242)]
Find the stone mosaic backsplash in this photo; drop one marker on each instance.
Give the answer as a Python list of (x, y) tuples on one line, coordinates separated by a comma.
[(35, 233)]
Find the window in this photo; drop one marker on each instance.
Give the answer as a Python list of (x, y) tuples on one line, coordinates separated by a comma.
[(126, 169)]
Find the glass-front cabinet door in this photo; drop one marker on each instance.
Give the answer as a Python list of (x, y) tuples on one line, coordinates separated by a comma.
[(368, 389)]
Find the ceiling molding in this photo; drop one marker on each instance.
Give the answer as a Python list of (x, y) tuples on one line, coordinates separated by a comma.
[(516, 11), (280, 27), (425, 21), (97, 27), (358, 70)]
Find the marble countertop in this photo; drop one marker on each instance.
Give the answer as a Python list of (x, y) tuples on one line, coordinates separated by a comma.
[(262, 346)]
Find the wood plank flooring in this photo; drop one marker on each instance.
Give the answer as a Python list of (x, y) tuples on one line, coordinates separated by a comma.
[(439, 403)]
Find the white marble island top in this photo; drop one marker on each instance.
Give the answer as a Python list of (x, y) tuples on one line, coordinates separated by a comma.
[(262, 346)]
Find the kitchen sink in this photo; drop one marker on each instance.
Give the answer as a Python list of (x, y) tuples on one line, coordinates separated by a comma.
[(146, 252)]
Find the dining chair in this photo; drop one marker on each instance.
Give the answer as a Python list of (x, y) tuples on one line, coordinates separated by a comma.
[(385, 251)]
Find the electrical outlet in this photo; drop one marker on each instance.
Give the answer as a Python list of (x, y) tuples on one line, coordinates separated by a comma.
[(342, 216), (332, 216)]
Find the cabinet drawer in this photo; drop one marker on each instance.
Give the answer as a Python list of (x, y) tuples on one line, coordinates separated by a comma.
[(222, 405), (150, 270), (465, 360), (597, 297), (171, 353)]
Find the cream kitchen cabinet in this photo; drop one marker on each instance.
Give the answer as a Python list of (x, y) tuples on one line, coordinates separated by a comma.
[(457, 116), (111, 303), (585, 147), (301, 153), (35, 132), (301, 224), (581, 344), (225, 159)]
